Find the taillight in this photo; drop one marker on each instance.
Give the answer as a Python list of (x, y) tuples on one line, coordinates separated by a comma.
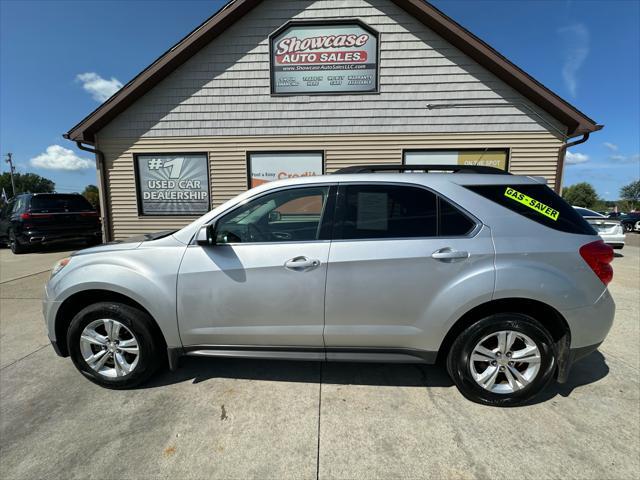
[(89, 214), (599, 256), (30, 216)]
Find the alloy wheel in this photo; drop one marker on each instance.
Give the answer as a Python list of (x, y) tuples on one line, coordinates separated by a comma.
[(109, 348), (505, 362)]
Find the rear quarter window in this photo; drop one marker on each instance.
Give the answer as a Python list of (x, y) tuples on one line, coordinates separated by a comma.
[(538, 203)]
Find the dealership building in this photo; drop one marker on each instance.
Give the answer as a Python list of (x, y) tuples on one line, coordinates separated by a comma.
[(271, 89)]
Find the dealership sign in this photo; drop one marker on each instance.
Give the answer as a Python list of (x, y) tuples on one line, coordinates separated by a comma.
[(324, 58), (175, 184)]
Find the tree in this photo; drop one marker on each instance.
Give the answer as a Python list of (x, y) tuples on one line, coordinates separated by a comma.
[(90, 192), (26, 183), (580, 195), (631, 193)]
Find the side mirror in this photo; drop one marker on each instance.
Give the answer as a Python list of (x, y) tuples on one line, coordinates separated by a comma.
[(206, 235), (274, 216)]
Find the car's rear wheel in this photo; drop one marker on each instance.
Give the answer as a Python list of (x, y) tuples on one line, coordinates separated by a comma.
[(505, 359), (15, 245), (113, 345), (628, 227)]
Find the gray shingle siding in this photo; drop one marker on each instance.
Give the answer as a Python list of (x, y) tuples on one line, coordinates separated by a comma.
[(224, 89)]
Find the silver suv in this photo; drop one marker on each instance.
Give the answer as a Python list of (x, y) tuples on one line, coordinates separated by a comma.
[(491, 274)]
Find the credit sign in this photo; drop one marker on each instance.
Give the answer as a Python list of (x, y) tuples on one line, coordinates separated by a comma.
[(173, 184), (324, 58)]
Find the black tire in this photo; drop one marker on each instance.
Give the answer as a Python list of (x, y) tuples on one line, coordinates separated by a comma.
[(628, 227), (151, 355), (459, 365), (14, 244)]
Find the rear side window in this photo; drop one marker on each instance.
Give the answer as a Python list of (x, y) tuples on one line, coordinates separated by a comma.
[(538, 203), (453, 223), (386, 211), (60, 203)]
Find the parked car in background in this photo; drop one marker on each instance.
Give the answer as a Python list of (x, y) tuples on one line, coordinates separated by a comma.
[(492, 274), (609, 229), (34, 219), (630, 220)]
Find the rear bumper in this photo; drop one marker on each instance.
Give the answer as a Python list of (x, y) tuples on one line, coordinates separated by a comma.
[(574, 354), (38, 237), (615, 241), (590, 325)]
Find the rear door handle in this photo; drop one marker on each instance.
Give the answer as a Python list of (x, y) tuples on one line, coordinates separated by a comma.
[(448, 254), (299, 264)]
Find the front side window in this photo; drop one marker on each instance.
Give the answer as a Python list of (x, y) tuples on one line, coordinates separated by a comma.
[(386, 211), (292, 215)]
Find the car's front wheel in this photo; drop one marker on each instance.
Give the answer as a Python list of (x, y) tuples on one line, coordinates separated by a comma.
[(505, 359), (113, 345)]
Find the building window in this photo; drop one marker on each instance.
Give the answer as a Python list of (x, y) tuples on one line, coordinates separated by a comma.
[(172, 184), (487, 157), (263, 167)]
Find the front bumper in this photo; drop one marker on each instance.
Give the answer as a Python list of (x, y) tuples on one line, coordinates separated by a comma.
[(49, 311)]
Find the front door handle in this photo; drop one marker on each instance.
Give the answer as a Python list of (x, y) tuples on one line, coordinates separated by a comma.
[(299, 264), (448, 254)]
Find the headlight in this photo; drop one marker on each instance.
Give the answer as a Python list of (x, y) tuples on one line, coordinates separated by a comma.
[(60, 264)]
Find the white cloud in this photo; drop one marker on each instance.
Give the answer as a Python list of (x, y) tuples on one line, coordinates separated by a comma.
[(619, 158), (99, 88), (611, 146), (576, 158), (576, 40), (60, 158)]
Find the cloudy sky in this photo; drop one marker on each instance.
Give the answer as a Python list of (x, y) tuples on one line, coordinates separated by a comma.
[(59, 61)]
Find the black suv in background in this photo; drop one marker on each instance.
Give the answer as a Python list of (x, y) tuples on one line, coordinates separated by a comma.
[(629, 220), (33, 219)]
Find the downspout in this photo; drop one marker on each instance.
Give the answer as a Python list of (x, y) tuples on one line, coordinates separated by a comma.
[(561, 154), (106, 216)]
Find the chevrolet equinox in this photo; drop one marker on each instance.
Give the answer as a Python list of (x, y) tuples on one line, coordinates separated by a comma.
[(491, 274)]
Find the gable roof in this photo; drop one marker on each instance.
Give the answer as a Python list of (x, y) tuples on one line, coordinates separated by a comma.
[(577, 123)]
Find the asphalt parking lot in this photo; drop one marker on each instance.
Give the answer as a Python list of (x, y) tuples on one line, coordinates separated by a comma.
[(271, 419)]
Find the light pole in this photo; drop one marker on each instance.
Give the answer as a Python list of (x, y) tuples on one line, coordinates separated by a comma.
[(12, 169)]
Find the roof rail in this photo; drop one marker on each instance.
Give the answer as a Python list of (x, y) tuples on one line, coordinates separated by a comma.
[(422, 168)]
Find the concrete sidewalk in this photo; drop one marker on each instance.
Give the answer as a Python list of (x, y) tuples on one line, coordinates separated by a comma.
[(217, 418)]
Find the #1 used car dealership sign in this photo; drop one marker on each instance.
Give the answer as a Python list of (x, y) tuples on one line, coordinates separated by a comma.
[(173, 184), (311, 58)]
